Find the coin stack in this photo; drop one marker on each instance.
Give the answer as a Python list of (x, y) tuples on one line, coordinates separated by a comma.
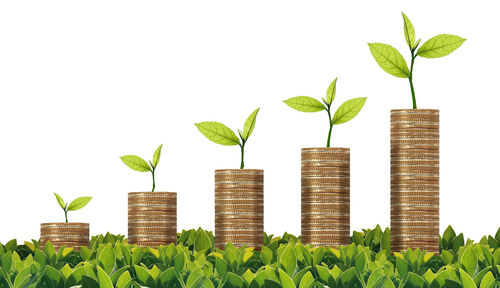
[(71, 234), (152, 218), (239, 207), (325, 196), (415, 179)]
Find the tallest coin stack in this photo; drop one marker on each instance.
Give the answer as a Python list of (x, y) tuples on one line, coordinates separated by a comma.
[(415, 179)]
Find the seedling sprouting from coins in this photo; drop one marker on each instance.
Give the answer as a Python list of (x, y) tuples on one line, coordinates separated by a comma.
[(77, 204), (347, 111), (138, 164), (392, 62), (223, 135)]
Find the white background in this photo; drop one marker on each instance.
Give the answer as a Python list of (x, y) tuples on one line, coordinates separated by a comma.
[(85, 82)]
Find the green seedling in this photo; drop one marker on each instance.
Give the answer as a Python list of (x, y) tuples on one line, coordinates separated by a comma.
[(138, 164), (347, 111), (77, 204), (223, 135), (392, 62)]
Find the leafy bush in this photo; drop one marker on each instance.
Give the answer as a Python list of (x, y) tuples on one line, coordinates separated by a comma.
[(110, 261)]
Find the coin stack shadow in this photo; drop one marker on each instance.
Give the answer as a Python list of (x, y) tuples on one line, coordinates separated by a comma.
[(71, 234), (415, 179), (152, 218), (325, 181), (239, 207)]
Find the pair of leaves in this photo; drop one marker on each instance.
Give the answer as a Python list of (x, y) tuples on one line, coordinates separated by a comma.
[(138, 164), (392, 62), (346, 112), (223, 135), (76, 204)]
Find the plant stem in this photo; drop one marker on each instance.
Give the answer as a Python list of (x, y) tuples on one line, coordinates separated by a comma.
[(331, 126), (413, 56), (242, 154), (153, 172), (66, 215)]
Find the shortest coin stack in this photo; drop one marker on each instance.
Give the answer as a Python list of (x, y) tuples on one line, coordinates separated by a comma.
[(239, 207), (152, 218), (71, 234), (325, 196)]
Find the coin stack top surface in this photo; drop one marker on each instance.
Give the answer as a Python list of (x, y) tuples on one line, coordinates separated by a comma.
[(415, 179), (152, 218), (325, 181), (71, 234), (239, 207)]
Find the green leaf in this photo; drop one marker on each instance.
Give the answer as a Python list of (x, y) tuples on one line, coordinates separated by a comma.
[(22, 277), (125, 281), (440, 46), (166, 278), (7, 261), (266, 255), (307, 281), (234, 281), (389, 59), (325, 276), (286, 281), (202, 241), (386, 241), (144, 276), (79, 203), (305, 104), (221, 266), (488, 280), (75, 277), (469, 260), (89, 282), (60, 201), (107, 259), (288, 260), (103, 278), (218, 133), (409, 31), (179, 262), (496, 256), (331, 91), (415, 281), (250, 124), (467, 281), (156, 156), (53, 276), (137, 256), (402, 267), (136, 163), (348, 110), (447, 257)]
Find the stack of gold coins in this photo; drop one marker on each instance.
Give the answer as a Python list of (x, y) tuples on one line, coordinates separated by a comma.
[(415, 179), (71, 234), (152, 218), (325, 196), (239, 207)]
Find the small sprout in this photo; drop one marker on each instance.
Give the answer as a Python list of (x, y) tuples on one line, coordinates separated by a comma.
[(223, 135), (347, 111), (138, 164), (77, 204), (392, 62)]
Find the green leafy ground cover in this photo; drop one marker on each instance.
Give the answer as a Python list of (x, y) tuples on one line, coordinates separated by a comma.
[(283, 262)]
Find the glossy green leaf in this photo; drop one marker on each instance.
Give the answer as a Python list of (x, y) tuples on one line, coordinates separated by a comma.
[(488, 280), (415, 281), (305, 104), (250, 124), (218, 133), (440, 46), (331, 91), (467, 280), (202, 242), (288, 260), (325, 276), (469, 261), (156, 156), (79, 203), (307, 281), (389, 59), (144, 276), (137, 256), (22, 277), (234, 281), (402, 267), (89, 282), (348, 110), (266, 255), (60, 201), (103, 278), (107, 259), (136, 163), (125, 281), (286, 281), (221, 266), (179, 262), (409, 31), (496, 256)]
